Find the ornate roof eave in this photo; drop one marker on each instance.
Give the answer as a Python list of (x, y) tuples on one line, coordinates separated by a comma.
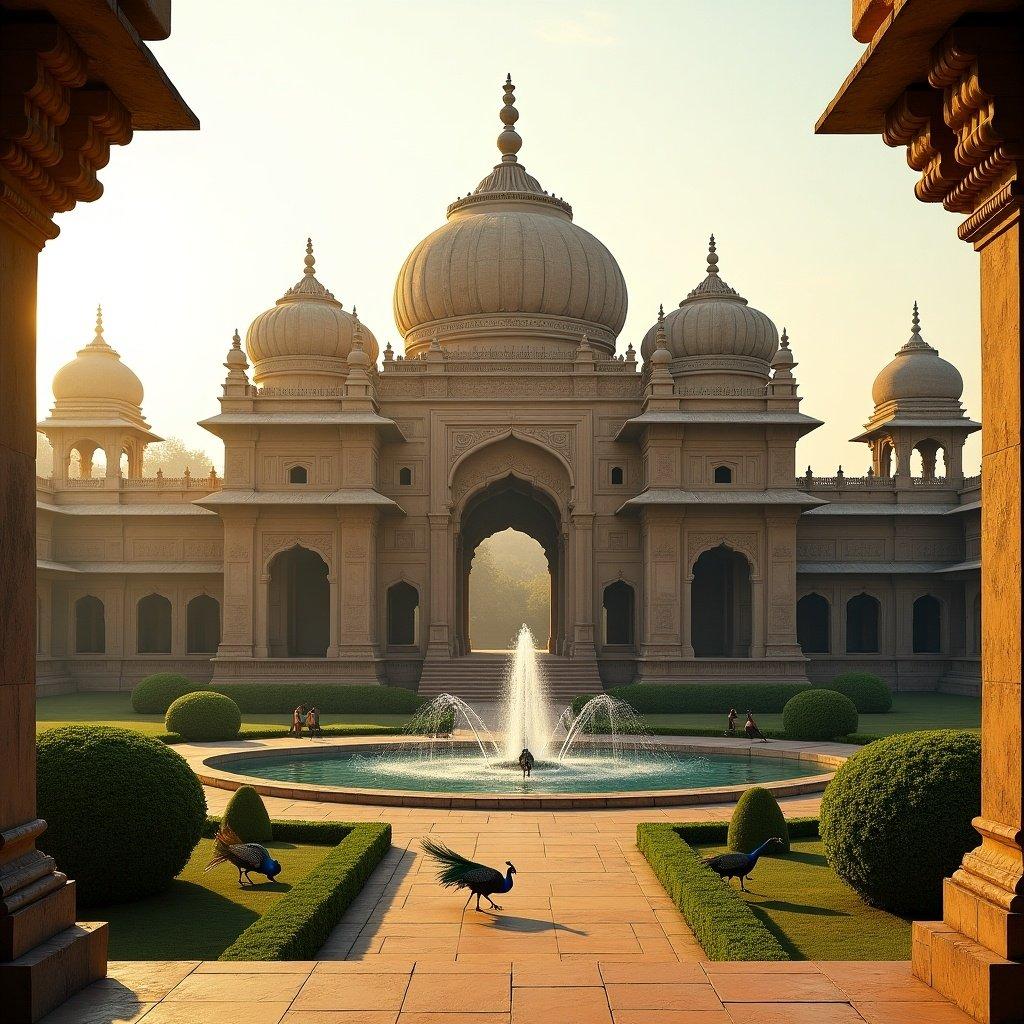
[(888, 421), (669, 496), (635, 426), (221, 424)]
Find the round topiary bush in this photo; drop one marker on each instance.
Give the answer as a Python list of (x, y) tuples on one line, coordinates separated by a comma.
[(870, 693), (246, 816), (204, 716), (896, 819), (757, 817), (156, 693), (123, 810), (819, 715)]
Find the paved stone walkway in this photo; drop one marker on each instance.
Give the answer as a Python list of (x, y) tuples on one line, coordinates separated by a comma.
[(587, 936)]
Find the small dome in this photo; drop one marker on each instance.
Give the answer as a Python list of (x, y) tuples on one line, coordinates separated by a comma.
[(510, 251), (917, 372), (305, 338), (715, 320), (97, 374)]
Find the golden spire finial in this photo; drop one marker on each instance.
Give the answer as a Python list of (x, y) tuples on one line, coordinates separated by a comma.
[(509, 141), (310, 260)]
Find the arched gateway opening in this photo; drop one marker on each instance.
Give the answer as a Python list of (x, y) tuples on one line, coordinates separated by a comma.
[(300, 605), (510, 504), (720, 615)]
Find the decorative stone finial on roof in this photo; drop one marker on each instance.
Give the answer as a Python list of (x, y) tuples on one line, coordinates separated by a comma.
[(308, 286), (712, 257), (310, 260), (509, 141), (661, 354), (784, 340), (712, 284), (916, 342), (236, 362), (98, 341)]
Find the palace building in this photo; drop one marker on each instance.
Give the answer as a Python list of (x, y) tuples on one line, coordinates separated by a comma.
[(683, 545)]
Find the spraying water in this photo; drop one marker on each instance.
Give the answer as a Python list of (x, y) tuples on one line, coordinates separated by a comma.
[(527, 714)]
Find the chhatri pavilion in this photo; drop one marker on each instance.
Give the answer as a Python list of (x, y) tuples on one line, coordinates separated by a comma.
[(682, 542)]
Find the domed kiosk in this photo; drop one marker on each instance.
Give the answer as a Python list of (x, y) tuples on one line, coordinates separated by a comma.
[(510, 266)]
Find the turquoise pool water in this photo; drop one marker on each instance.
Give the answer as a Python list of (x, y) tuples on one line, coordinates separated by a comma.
[(466, 771)]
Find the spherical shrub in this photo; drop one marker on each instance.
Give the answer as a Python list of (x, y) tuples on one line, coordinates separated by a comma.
[(869, 692), (757, 817), (204, 716), (896, 819), (819, 715), (123, 810), (156, 693), (246, 816)]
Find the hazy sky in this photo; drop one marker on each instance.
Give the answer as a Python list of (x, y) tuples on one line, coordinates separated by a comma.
[(358, 122)]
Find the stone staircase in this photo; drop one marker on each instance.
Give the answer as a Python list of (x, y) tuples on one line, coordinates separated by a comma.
[(479, 676)]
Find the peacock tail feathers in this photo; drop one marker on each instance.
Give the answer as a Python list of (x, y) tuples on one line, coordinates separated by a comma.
[(228, 847), (455, 870)]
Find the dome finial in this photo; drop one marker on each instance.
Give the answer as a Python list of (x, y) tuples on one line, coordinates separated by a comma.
[(784, 340), (915, 323), (509, 141), (236, 340), (310, 260), (712, 257), (98, 341)]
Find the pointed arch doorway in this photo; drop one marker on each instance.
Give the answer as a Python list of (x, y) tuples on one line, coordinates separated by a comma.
[(511, 504)]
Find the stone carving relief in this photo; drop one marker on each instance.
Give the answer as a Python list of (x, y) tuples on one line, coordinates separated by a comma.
[(514, 458), (862, 547), (745, 543), (274, 543), (816, 550)]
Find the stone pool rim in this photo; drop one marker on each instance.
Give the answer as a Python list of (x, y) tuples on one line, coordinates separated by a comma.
[(207, 766)]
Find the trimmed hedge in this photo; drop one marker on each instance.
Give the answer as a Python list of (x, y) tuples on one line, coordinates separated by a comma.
[(331, 699), (721, 920), (870, 693), (896, 819), (271, 732), (819, 715), (124, 812), (246, 816), (298, 924), (756, 817), (701, 698), (204, 716), (156, 693)]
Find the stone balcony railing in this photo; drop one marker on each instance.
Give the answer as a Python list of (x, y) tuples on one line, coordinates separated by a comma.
[(874, 483), (142, 483)]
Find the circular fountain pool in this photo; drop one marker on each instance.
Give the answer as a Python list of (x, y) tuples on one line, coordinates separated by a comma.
[(464, 770)]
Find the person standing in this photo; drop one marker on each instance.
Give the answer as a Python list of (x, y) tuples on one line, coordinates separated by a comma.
[(730, 729)]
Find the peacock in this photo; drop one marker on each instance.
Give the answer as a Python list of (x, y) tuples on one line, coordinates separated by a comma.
[(245, 856), (456, 872), (737, 865)]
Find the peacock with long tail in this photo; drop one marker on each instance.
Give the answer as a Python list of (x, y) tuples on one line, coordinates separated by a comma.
[(456, 872), (245, 856), (738, 865)]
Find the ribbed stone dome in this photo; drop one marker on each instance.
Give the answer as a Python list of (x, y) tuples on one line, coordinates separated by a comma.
[(510, 261), (96, 374), (917, 372), (305, 338), (714, 320)]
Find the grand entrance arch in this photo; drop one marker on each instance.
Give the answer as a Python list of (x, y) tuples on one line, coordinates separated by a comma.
[(514, 504), (299, 610), (721, 615)]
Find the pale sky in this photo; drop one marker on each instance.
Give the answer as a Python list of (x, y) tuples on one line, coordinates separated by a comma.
[(358, 122)]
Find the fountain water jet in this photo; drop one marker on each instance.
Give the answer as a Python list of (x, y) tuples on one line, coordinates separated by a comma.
[(527, 713)]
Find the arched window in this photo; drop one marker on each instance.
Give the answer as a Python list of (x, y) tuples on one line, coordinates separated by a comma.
[(153, 625), (812, 632), (298, 475), (403, 614), (927, 625), (405, 476), (723, 475), (618, 607), (202, 625), (862, 625), (616, 476), (90, 630)]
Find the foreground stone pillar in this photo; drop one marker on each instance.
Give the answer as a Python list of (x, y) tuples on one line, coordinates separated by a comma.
[(947, 82), (58, 120)]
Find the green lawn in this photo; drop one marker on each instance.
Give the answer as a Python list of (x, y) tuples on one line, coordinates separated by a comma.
[(910, 712), (203, 912), (814, 915), (116, 709)]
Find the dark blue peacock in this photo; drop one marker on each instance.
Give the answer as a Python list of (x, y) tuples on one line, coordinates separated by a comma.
[(245, 856), (738, 865), (456, 872)]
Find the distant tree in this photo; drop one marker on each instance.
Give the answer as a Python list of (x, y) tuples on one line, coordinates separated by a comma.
[(173, 456)]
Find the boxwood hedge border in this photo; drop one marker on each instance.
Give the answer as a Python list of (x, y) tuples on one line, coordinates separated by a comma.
[(721, 920), (298, 924)]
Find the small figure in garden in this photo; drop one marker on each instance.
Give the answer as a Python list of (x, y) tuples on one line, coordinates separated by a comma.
[(245, 856), (313, 722), (738, 865), (526, 762), (730, 729), (751, 729), (458, 873), (297, 717)]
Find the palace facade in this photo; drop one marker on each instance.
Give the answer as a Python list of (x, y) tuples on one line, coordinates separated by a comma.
[(682, 542)]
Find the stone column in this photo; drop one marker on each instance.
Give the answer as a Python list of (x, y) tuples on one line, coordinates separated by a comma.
[(262, 648), (439, 628), (335, 611), (756, 617), (687, 616), (583, 577)]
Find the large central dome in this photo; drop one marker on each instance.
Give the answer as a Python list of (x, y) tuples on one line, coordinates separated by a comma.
[(510, 264)]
